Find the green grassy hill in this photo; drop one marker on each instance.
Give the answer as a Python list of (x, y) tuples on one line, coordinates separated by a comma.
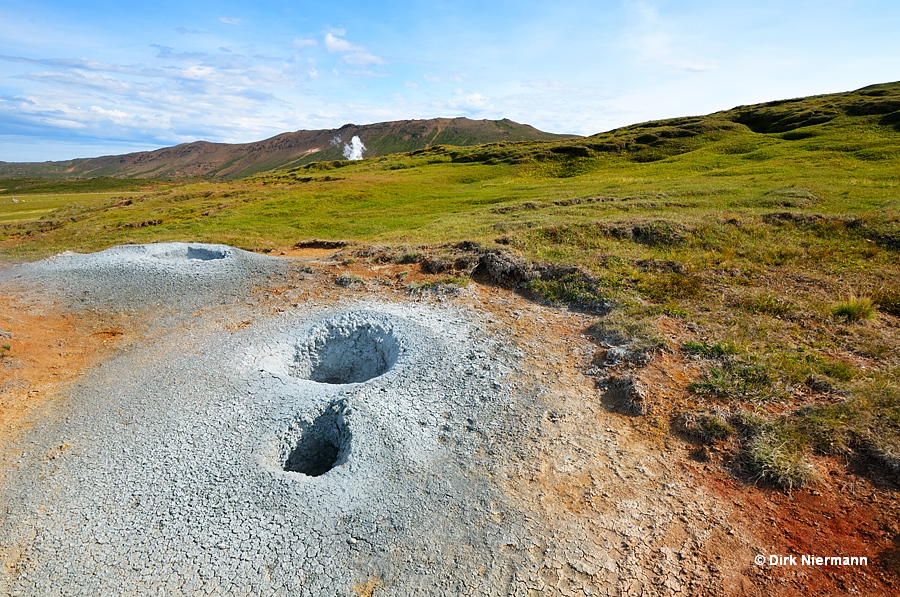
[(771, 232)]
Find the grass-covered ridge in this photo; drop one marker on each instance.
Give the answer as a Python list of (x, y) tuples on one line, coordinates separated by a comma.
[(772, 232)]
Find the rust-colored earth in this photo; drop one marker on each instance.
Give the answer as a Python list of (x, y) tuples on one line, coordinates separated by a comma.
[(47, 349)]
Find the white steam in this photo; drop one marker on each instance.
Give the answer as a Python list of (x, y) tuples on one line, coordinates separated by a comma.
[(354, 151)]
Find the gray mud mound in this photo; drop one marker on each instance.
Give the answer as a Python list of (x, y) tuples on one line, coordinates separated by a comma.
[(160, 274), (315, 450)]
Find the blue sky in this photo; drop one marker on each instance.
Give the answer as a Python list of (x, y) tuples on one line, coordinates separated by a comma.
[(95, 78)]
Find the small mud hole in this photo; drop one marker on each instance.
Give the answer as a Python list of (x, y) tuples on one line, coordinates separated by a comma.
[(323, 443), (204, 254), (351, 348), (178, 251)]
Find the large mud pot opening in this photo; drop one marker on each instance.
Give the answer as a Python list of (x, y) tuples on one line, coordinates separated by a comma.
[(347, 349), (323, 444)]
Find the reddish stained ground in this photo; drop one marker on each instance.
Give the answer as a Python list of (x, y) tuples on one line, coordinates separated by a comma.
[(845, 514)]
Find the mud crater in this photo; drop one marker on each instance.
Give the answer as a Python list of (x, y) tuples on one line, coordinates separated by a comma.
[(314, 447), (352, 348)]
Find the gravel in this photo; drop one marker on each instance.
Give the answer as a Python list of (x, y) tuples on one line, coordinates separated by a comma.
[(316, 450)]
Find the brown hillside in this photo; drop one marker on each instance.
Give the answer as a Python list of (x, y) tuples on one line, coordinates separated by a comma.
[(202, 158)]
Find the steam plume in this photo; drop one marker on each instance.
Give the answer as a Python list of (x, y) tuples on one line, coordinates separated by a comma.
[(354, 151)]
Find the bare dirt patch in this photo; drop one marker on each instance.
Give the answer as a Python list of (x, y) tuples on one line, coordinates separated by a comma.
[(47, 349)]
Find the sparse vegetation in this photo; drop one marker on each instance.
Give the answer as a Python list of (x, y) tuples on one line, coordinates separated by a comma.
[(888, 300), (709, 427), (737, 378), (778, 455), (447, 283), (713, 351), (569, 289), (628, 325), (351, 281)]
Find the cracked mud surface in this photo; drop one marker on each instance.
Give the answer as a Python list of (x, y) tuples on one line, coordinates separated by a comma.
[(461, 451)]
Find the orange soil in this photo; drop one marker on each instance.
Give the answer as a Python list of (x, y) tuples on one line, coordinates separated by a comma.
[(47, 349)]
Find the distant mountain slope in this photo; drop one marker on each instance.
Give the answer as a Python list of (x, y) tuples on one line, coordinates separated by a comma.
[(284, 151)]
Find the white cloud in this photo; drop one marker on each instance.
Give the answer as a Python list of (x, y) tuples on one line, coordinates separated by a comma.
[(476, 100), (545, 84), (336, 44), (197, 72), (304, 43), (68, 124), (431, 78), (412, 84), (363, 72), (656, 41), (361, 59), (230, 20)]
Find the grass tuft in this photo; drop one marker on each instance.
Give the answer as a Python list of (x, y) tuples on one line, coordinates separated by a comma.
[(854, 309), (666, 287), (573, 289), (709, 427), (628, 325), (779, 456), (351, 281), (446, 284), (766, 304)]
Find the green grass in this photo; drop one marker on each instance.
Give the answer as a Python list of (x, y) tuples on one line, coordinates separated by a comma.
[(740, 379), (854, 309), (868, 422), (629, 324), (716, 350), (447, 283), (573, 289), (888, 300), (745, 226), (17, 187)]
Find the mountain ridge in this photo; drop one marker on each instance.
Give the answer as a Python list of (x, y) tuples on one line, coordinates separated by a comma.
[(285, 150)]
